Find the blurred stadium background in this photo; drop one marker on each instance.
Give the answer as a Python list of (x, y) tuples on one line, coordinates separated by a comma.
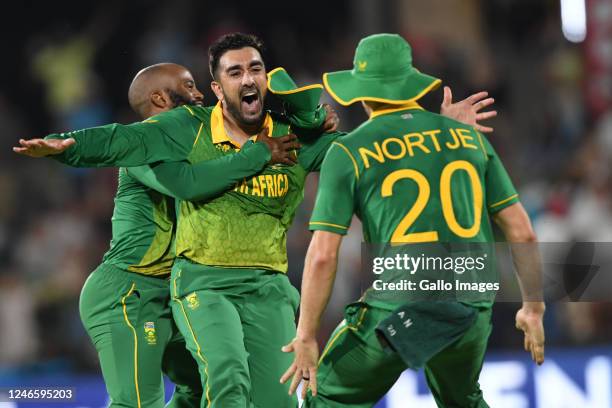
[(69, 65)]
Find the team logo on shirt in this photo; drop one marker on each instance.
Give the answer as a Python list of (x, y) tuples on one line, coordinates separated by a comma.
[(192, 301), (223, 147), (150, 335)]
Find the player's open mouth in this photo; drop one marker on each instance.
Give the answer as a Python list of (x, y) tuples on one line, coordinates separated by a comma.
[(251, 102)]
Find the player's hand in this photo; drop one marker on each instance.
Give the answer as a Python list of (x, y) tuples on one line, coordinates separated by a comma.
[(42, 147), (529, 320), (332, 120), (467, 111), (304, 367), (282, 149)]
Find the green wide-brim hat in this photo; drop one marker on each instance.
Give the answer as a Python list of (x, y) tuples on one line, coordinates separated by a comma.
[(382, 72), (304, 98)]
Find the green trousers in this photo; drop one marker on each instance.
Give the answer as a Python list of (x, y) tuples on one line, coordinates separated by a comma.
[(235, 322), (129, 320), (354, 371)]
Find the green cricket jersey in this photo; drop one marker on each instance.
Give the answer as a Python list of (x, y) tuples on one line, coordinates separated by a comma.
[(143, 228), (245, 227), (143, 222), (412, 176)]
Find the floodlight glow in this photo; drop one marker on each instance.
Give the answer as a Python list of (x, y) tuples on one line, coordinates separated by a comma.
[(573, 20)]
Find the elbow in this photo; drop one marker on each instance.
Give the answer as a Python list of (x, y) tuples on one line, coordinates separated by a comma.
[(185, 188), (522, 233), (515, 224), (322, 256), (184, 195), (324, 259), (196, 196)]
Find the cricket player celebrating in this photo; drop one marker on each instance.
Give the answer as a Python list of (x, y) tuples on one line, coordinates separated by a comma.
[(231, 298), (399, 172), (125, 303)]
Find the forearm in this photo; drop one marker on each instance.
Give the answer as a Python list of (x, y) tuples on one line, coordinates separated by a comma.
[(517, 229), (317, 285), (204, 180), (100, 147), (208, 179), (528, 267), (117, 145)]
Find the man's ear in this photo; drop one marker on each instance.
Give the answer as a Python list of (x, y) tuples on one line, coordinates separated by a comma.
[(159, 99), (216, 88)]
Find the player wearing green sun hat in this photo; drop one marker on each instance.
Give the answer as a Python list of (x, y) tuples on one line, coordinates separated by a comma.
[(411, 176), (381, 74), (231, 298)]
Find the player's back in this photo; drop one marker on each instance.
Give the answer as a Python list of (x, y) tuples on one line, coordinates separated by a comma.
[(422, 178)]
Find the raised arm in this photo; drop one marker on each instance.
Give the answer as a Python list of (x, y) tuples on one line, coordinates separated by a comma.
[(316, 142), (468, 110)]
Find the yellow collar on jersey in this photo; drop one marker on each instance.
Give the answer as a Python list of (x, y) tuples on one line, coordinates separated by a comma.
[(409, 105), (217, 128)]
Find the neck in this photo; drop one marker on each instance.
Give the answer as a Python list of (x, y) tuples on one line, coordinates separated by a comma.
[(152, 111), (371, 107), (237, 130), (374, 109)]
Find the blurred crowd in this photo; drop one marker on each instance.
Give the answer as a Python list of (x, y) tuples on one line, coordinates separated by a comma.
[(72, 69)]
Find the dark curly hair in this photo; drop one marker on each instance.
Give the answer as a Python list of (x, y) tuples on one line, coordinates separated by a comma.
[(233, 41)]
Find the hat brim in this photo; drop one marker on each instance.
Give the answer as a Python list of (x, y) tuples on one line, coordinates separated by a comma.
[(306, 97), (347, 88)]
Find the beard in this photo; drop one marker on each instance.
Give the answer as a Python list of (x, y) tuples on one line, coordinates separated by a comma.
[(179, 100), (234, 107)]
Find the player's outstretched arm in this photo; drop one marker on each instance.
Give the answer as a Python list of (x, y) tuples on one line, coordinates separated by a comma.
[(468, 110), (317, 284), (205, 180), (515, 224), (42, 148), (167, 137)]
